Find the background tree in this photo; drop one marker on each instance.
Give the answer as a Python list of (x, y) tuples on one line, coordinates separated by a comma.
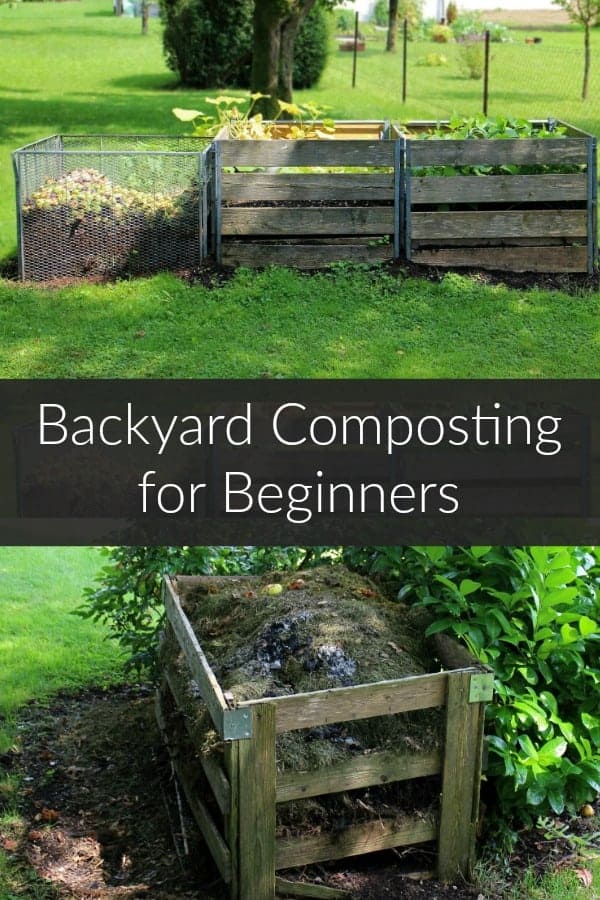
[(392, 33), (276, 25), (586, 13)]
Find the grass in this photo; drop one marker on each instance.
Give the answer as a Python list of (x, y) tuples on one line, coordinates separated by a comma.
[(278, 323), (43, 647)]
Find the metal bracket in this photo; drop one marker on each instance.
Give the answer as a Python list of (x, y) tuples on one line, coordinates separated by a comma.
[(481, 688), (237, 724)]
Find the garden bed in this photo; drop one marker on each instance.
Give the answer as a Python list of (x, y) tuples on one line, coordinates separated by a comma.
[(308, 721), (525, 204)]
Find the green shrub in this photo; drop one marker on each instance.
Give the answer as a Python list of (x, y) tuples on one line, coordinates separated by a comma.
[(381, 13), (209, 43), (432, 60), (310, 48), (442, 34), (344, 20), (532, 613), (472, 55)]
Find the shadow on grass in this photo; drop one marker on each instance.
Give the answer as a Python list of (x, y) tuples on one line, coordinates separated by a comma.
[(150, 81)]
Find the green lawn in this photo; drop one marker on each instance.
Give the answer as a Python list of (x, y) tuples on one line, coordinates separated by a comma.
[(43, 647), (74, 67), (279, 323)]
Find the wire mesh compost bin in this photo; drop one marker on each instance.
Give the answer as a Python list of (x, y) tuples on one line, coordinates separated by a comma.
[(244, 781), (98, 205)]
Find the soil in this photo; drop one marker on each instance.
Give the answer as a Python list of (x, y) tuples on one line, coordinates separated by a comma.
[(102, 822)]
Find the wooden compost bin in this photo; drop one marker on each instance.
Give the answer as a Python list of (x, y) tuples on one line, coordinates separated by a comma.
[(513, 222), (268, 214), (247, 788)]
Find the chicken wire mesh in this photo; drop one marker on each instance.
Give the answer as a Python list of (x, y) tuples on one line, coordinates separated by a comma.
[(111, 205)]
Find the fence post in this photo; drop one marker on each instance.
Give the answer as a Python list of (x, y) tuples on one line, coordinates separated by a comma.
[(404, 57), (355, 53), (486, 73), (145, 14), (257, 775)]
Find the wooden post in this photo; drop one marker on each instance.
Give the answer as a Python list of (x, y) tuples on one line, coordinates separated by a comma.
[(232, 820), (257, 775), (355, 53), (486, 73), (404, 57), (460, 780)]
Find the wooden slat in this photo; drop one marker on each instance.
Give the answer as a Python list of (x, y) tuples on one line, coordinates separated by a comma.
[(433, 226), (211, 834), (462, 764), (286, 888), (257, 807), (498, 189), (202, 673), (214, 773), (530, 151), (259, 186), (301, 256), (509, 259), (364, 701), (307, 153), (286, 221), (359, 772), (354, 841)]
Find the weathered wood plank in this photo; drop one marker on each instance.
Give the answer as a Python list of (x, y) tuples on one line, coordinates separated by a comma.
[(354, 841), (301, 256), (286, 888), (231, 821), (498, 189), (359, 772), (214, 773), (260, 186), (257, 807), (462, 763), (307, 153), (202, 673), (433, 226), (364, 701), (530, 151), (510, 259), (285, 221), (211, 834)]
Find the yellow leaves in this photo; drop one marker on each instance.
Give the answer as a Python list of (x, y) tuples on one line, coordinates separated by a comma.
[(187, 115), (225, 101), (292, 108)]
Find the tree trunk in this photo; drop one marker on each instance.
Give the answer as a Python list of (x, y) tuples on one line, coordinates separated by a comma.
[(586, 60), (392, 26), (266, 55), (287, 37)]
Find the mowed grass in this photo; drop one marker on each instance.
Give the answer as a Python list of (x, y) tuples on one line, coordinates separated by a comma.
[(279, 323), (43, 647), (75, 67)]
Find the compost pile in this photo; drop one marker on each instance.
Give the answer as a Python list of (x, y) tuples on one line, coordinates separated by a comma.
[(277, 635), (101, 227)]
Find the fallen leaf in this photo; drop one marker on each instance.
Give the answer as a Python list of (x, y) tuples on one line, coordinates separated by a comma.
[(296, 585), (585, 877), (34, 836), (49, 815), (368, 592), (9, 844)]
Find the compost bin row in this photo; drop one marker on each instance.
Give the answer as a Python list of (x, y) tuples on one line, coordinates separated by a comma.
[(369, 193), (226, 754)]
